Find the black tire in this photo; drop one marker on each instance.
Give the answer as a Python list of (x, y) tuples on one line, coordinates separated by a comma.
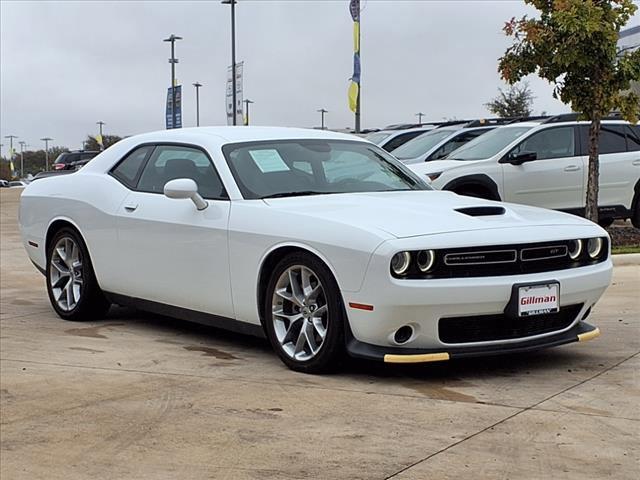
[(92, 304), (332, 350), (475, 192), (635, 216), (605, 222)]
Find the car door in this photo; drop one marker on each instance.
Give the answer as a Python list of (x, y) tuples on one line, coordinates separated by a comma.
[(168, 251), (617, 153), (555, 179)]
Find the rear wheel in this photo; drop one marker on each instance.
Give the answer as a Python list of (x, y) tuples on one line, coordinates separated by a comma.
[(71, 283), (304, 315)]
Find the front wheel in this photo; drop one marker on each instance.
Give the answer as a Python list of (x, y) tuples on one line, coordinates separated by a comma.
[(71, 283), (635, 217), (304, 314)]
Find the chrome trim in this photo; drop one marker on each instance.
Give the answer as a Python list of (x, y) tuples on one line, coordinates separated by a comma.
[(515, 257), (566, 252)]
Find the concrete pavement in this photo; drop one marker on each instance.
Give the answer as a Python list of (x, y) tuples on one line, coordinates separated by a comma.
[(144, 397)]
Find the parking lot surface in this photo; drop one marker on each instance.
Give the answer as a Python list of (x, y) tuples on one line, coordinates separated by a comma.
[(145, 397)]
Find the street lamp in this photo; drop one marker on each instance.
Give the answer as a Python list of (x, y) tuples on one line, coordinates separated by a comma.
[(247, 102), (420, 115), (46, 141), (233, 54), (101, 123), (173, 60), (22, 144), (322, 112), (197, 85)]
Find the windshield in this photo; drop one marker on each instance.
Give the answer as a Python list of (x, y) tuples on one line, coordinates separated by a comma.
[(377, 137), (489, 144), (282, 168), (421, 144)]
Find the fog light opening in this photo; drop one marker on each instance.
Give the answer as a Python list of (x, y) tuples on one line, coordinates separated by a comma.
[(403, 334)]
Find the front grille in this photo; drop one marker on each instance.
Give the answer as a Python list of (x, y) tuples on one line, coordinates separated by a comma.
[(481, 257), (485, 328), (498, 260)]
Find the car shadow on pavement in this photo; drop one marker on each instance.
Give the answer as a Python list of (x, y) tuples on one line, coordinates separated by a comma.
[(546, 361)]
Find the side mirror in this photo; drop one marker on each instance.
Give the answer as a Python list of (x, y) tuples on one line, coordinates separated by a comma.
[(519, 158), (181, 188)]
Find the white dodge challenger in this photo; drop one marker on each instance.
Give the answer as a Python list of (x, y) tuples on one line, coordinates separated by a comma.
[(321, 241)]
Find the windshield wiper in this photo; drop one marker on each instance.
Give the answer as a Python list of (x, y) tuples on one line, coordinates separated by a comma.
[(299, 193)]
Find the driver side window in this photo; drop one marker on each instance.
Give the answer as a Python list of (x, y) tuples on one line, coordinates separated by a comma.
[(170, 162), (551, 143)]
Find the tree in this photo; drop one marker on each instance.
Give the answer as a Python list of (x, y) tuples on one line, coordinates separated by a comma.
[(573, 45), (5, 170), (516, 101), (92, 144)]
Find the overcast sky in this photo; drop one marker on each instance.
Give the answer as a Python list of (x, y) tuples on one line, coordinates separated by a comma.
[(66, 65)]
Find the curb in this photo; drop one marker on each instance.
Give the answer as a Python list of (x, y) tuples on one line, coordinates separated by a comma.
[(626, 259)]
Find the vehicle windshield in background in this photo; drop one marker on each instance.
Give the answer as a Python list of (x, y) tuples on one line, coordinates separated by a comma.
[(421, 144), (489, 144), (309, 167), (377, 137)]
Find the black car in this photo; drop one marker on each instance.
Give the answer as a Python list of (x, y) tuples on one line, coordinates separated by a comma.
[(73, 160)]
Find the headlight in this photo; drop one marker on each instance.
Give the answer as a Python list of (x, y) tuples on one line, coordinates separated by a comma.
[(575, 249), (426, 259), (594, 247), (400, 263), (433, 176)]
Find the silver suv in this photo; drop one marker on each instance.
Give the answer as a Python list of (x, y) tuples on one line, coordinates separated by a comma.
[(545, 163)]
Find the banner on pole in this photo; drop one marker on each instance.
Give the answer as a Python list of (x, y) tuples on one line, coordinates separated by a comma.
[(169, 110), (354, 86), (229, 95)]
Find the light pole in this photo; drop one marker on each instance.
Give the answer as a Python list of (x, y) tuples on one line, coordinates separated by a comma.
[(46, 141), (233, 54), (22, 144), (173, 60), (197, 85), (322, 112), (420, 115), (247, 102), (100, 124)]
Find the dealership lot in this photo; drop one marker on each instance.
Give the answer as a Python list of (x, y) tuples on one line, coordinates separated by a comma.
[(139, 396)]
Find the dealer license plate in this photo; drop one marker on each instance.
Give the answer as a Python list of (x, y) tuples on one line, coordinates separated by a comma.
[(538, 299)]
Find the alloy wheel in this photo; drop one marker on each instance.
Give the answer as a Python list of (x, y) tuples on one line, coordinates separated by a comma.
[(299, 313), (65, 273)]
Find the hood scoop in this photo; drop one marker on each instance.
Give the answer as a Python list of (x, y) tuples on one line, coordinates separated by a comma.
[(484, 211)]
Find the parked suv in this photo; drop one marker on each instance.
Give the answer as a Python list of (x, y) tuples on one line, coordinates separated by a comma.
[(71, 160), (439, 142), (545, 164)]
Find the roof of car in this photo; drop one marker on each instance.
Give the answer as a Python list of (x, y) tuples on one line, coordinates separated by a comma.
[(249, 133)]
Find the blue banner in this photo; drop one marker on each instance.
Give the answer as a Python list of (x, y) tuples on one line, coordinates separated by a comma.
[(169, 110)]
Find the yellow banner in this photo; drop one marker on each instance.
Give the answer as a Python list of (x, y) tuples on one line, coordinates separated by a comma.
[(353, 96), (99, 139), (356, 37)]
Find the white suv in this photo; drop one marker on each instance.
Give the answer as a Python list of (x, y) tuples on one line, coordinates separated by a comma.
[(545, 164)]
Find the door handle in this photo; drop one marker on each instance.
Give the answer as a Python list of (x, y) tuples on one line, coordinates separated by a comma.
[(572, 168), (636, 163), (131, 207)]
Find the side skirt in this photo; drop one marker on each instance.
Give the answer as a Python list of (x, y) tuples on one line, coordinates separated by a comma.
[(210, 319), (612, 211)]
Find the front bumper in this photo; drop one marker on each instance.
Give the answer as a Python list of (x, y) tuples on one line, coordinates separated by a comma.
[(580, 332)]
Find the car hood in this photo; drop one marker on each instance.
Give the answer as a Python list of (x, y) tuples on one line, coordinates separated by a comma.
[(414, 213), (436, 166)]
